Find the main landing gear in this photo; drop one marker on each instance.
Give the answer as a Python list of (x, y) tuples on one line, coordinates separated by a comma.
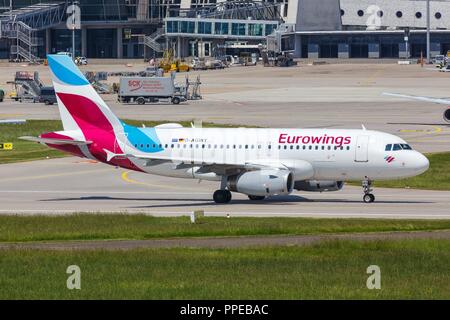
[(222, 196), (367, 189)]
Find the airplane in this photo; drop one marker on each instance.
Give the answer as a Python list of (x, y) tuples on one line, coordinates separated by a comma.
[(446, 114), (252, 161)]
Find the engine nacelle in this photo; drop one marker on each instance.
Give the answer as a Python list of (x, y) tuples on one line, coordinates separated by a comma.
[(318, 185), (447, 115), (262, 182)]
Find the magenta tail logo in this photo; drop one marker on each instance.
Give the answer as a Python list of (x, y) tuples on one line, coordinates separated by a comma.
[(389, 159)]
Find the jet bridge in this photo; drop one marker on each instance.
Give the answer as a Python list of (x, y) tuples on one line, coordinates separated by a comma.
[(22, 25)]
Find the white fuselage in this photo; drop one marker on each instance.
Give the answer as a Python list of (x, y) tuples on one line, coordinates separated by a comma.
[(332, 154)]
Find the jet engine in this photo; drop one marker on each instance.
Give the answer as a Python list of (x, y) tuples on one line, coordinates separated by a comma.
[(262, 182), (318, 185), (447, 115)]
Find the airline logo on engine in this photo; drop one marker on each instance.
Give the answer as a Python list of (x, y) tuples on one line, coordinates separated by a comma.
[(323, 139)]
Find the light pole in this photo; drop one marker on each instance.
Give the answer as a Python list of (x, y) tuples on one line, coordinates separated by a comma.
[(428, 31)]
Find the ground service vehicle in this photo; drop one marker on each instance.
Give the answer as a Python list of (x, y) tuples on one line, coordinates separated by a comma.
[(47, 96), (143, 90)]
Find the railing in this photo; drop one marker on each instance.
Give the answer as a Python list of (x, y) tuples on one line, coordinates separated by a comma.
[(152, 40), (24, 53)]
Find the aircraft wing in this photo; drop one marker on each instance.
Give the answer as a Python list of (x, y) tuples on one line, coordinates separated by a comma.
[(207, 166), (55, 141), (419, 98)]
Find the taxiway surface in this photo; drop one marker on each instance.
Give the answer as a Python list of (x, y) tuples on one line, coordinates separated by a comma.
[(68, 185)]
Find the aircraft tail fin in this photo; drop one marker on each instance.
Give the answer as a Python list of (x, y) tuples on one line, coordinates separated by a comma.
[(80, 106)]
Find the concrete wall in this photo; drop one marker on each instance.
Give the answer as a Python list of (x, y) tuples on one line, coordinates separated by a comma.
[(318, 15), (408, 8)]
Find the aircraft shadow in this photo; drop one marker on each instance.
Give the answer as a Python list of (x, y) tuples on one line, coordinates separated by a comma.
[(277, 200), (420, 124)]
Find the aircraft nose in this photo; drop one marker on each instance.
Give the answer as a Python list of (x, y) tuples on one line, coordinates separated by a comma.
[(421, 163)]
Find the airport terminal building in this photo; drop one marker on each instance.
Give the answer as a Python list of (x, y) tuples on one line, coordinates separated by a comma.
[(29, 29)]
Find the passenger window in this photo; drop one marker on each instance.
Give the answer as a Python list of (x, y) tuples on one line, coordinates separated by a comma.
[(396, 147), (388, 147), (292, 147)]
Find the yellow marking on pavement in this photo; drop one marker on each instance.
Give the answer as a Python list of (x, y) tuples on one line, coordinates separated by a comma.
[(54, 175), (436, 130), (126, 178), (10, 115)]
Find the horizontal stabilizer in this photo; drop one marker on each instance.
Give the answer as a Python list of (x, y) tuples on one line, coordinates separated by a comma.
[(55, 141), (111, 155)]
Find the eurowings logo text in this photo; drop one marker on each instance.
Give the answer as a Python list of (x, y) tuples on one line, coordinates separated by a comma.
[(339, 141)]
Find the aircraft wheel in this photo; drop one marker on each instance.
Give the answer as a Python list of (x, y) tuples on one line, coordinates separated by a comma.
[(256, 198), (222, 196), (368, 198)]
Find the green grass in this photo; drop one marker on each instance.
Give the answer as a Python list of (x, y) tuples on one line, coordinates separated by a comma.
[(88, 226), (26, 150), (410, 269)]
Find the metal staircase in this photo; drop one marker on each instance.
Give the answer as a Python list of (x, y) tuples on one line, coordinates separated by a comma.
[(151, 41), (22, 25)]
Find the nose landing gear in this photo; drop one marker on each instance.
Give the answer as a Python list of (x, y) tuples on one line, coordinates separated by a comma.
[(367, 189)]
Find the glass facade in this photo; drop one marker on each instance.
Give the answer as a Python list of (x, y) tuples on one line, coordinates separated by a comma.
[(255, 29), (238, 29), (204, 27), (187, 26), (172, 27), (221, 28), (270, 28)]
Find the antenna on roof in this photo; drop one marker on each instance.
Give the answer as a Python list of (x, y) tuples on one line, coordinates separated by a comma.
[(363, 127)]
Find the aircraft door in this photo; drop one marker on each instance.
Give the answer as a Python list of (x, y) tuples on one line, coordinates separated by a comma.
[(362, 149)]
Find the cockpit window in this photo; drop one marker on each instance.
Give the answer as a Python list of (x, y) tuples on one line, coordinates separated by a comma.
[(406, 147), (397, 147)]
